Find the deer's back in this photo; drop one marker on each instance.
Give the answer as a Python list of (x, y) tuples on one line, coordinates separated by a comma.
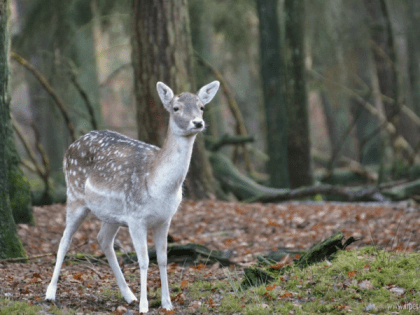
[(108, 162)]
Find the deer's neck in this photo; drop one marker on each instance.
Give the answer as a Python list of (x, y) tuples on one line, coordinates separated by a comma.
[(171, 165)]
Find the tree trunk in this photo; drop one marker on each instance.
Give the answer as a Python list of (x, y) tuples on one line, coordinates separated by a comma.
[(57, 37), (413, 38), (299, 145), (42, 40), (162, 51), (10, 245), (274, 93), (383, 50), (360, 68)]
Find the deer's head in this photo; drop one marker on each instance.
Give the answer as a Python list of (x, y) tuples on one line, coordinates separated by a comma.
[(186, 109)]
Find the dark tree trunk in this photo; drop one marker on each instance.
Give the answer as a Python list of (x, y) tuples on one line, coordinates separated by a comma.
[(299, 145), (274, 93), (413, 38), (10, 245), (384, 54), (360, 67), (162, 51), (328, 52)]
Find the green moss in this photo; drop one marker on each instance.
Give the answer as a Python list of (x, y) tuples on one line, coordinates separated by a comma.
[(329, 287), (18, 185), (110, 293), (20, 196), (8, 307), (10, 245), (231, 304)]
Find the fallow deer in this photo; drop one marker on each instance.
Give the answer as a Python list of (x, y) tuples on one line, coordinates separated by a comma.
[(125, 182)]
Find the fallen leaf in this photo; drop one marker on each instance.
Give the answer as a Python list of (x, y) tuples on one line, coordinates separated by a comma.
[(277, 266), (184, 284), (286, 295), (194, 305), (78, 276)]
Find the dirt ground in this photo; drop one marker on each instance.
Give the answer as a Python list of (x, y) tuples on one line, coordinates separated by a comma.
[(245, 230)]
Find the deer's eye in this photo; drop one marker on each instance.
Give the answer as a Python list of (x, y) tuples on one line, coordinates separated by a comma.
[(176, 109), (202, 108)]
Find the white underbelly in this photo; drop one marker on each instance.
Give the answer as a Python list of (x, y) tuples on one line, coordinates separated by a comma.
[(111, 207), (108, 206)]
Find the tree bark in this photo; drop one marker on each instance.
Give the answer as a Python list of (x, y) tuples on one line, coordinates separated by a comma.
[(299, 145), (10, 245), (162, 51), (413, 37), (360, 68), (383, 52), (272, 71)]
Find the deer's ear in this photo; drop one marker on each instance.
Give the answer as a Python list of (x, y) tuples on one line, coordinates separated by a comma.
[(208, 91), (165, 93)]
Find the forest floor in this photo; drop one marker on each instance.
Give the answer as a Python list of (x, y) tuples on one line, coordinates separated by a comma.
[(246, 230)]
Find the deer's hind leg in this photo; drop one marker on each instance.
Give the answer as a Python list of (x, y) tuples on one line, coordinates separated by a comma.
[(76, 214), (106, 238)]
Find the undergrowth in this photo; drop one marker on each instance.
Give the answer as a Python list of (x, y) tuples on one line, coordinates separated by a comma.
[(360, 281)]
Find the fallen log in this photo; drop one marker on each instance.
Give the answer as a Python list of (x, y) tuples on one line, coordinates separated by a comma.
[(325, 249), (266, 270), (403, 191), (215, 144), (247, 190), (233, 181), (187, 255)]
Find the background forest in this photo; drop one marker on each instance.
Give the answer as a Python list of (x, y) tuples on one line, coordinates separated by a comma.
[(326, 91), (319, 102)]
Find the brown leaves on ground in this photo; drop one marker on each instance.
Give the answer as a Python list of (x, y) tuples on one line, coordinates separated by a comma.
[(246, 230)]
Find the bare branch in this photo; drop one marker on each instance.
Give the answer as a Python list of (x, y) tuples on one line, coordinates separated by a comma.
[(233, 105), (387, 125), (22, 61), (85, 98), (27, 146)]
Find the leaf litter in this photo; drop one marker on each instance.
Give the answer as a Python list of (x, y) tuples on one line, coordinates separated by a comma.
[(248, 230)]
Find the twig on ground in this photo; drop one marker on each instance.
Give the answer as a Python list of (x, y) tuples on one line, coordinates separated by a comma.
[(16, 259)]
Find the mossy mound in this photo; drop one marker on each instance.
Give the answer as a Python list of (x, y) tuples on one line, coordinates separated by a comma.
[(20, 196)]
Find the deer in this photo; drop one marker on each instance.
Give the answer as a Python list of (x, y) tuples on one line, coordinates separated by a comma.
[(126, 182)]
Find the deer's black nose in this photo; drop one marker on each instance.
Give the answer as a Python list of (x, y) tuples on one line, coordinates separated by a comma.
[(198, 124)]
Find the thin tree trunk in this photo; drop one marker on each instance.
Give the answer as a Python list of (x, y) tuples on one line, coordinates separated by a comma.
[(413, 39), (10, 245), (162, 51), (384, 55), (299, 145), (360, 67), (274, 95)]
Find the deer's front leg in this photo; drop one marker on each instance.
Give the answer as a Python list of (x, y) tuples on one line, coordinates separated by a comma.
[(160, 235), (139, 236)]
